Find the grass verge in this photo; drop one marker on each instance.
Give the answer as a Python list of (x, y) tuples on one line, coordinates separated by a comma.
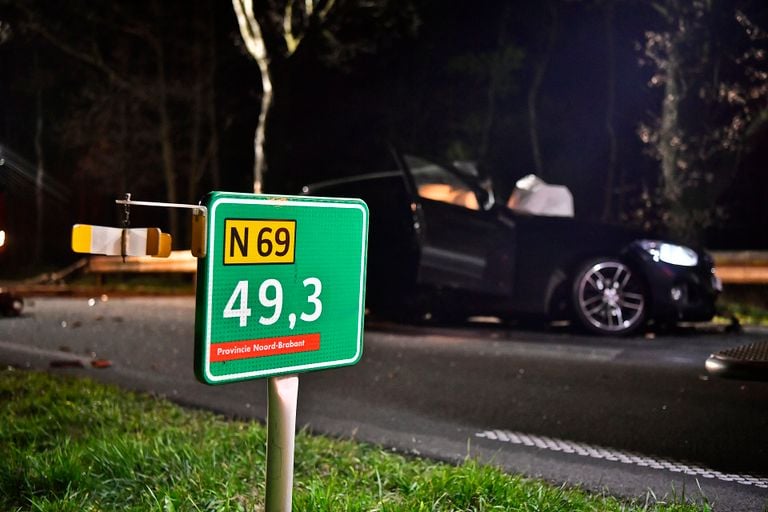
[(75, 445), (746, 303)]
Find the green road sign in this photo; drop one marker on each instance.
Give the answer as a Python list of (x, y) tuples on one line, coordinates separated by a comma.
[(282, 286)]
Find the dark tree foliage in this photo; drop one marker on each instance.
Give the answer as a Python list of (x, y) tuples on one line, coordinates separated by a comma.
[(161, 99), (133, 98), (710, 62)]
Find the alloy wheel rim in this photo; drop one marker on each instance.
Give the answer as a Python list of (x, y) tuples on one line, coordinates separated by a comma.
[(609, 297)]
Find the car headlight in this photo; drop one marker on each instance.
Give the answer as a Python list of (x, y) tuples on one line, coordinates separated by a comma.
[(670, 253), (2, 237)]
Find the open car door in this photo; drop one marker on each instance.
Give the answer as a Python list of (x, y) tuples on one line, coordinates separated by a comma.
[(464, 245)]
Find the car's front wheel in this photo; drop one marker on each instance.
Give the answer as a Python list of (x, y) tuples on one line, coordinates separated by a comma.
[(609, 298), (10, 305)]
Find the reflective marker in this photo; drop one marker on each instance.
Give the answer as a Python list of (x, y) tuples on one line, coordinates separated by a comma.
[(198, 248), (164, 249), (110, 241)]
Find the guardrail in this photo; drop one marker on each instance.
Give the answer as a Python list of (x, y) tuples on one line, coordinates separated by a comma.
[(55, 283), (177, 262), (741, 267), (732, 267)]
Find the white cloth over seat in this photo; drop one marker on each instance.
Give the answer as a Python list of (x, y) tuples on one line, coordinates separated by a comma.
[(535, 196)]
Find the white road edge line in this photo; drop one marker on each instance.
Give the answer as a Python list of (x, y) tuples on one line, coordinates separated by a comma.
[(597, 452), (53, 354)]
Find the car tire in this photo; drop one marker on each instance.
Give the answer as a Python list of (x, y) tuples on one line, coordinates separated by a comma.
[(609, 298), (16, 306), (13, 307)]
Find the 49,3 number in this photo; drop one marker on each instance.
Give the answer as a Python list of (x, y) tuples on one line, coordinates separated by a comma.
[(271, 297)]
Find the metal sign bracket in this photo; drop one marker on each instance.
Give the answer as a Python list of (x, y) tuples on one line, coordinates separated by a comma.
[(199, 215)]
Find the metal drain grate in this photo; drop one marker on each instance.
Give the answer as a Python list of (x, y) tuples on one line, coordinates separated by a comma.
[(756, 352), (748, 362), (596, 452)]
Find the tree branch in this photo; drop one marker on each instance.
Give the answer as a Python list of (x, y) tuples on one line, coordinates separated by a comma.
[(94, 59)]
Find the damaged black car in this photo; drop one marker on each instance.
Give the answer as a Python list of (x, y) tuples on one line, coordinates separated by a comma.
[(442, 245)]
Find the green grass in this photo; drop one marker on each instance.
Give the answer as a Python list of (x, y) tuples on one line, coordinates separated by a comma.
[(75, 445), (746, 314), (747, 303)]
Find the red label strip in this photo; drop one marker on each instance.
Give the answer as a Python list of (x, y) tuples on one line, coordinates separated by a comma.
[(264, 347)]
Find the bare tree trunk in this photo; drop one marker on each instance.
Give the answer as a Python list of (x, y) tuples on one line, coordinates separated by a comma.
[(496, 68), (196, 160), (214, 145), (39, 178), (259, 161), (204, 151), (669, 142), (533, 93), (251, 34), (166, 144), (122, 169), (533, 122), (287, 30), (610, 110), (211, 108), (169, 168)]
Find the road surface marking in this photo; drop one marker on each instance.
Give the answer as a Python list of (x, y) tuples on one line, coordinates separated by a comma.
[(596, 452)]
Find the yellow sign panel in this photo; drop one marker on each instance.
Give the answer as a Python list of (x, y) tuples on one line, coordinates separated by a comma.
[(253, 242), (81, 238), (163, 246)]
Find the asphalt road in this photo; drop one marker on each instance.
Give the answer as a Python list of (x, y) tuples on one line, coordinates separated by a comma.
[(627, 416)]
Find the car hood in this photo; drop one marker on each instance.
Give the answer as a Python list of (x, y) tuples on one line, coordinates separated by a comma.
[(571, 232)]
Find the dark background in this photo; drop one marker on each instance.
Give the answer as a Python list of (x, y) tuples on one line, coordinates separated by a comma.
[(417, 75)]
